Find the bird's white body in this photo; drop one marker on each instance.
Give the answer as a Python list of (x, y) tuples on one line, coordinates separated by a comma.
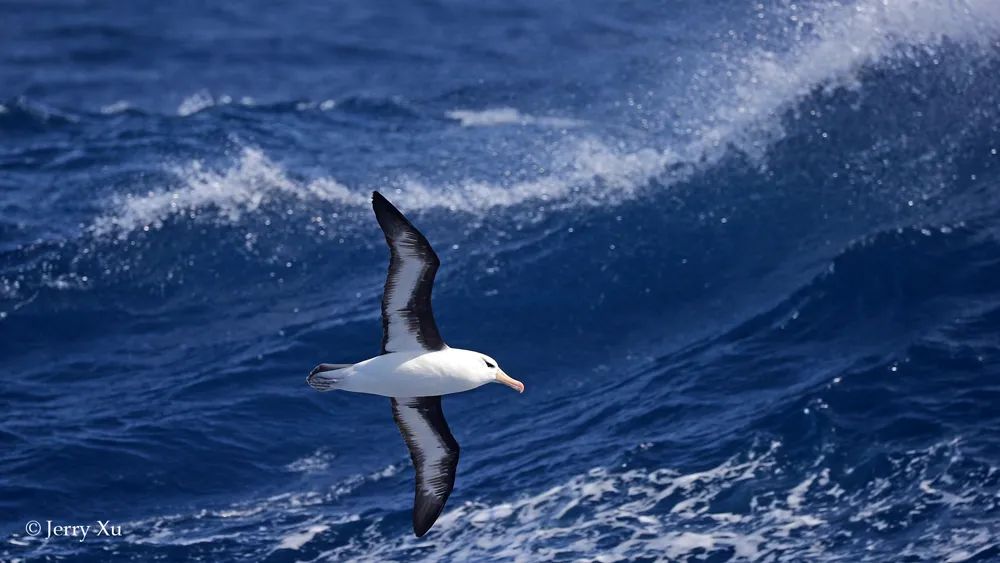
[(416, 373)]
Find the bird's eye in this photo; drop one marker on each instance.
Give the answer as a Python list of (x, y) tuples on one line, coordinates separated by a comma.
[(488, 364)]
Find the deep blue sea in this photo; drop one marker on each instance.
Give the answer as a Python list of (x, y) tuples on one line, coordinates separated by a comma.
[(745, 257)]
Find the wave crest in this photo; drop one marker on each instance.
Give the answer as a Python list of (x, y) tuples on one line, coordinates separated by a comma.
[(246, 187), (588, 169), (506, 116)]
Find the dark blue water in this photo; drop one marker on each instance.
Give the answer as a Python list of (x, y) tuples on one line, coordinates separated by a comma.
[(746, 259)]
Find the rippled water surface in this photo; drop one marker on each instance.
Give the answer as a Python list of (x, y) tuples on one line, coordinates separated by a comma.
[(745, 257)]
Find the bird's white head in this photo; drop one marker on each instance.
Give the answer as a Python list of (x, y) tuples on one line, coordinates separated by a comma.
[(487, 370)]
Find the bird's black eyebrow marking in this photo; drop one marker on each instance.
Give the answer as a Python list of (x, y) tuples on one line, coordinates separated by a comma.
[(488, 364)]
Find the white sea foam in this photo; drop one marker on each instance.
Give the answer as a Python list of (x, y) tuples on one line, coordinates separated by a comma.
[(195, 103), (620, 514), (570, 519), (832, 43), (204, 99), (244, 188), (506, 116), (116, 107), (298, 539), (317, 462), (255, 181), (740, 99), (613, 514), (325, 105), (235, 520)]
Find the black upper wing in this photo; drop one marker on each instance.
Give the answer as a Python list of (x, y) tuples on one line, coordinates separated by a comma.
[(407, 318), (434, 452)]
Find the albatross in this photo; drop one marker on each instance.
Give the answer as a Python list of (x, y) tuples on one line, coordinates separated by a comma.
[(415, 367)]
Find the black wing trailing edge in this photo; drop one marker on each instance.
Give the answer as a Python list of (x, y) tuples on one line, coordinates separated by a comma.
[(434, 452), (407, 318)]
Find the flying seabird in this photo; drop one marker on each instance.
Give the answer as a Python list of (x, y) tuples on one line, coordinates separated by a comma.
[(415, 366)]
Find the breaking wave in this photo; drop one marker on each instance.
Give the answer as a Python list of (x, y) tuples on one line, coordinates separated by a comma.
[(745, 95)]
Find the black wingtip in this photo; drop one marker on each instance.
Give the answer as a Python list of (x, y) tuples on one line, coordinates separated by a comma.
[(420, 529), (425, 515), (390, 218), (382, 205), (379, 201)]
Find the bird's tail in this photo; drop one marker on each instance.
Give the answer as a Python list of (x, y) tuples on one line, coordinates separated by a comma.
[(324, 378)]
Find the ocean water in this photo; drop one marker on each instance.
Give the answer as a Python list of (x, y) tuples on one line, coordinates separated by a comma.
[(745, 257)]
